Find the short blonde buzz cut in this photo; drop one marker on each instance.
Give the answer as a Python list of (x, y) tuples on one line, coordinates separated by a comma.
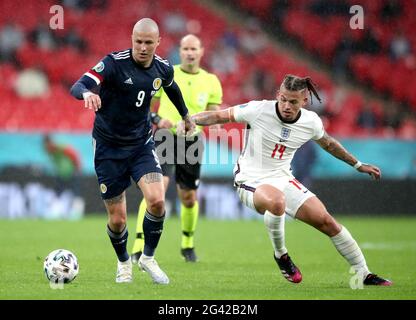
[(146, 25)]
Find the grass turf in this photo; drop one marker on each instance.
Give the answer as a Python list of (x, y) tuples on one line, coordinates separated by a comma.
[(235, 261)]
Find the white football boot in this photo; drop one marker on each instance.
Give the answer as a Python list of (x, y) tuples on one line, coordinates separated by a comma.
[(124, 271), (149, 265)]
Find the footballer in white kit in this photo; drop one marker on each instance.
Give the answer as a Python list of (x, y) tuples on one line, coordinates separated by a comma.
[(275, 130), (269, 146)]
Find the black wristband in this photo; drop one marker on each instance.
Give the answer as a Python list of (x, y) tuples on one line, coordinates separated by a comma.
[(155, 118)]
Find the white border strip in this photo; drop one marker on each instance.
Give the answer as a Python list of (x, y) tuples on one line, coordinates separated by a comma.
[(97, 81)]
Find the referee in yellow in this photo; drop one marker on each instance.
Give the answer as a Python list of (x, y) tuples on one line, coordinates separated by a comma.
[(201, 91)]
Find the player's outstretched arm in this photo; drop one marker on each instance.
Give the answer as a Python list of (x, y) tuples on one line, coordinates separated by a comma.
[(82, 90), (214, 107), (207, 118), (334, 147)]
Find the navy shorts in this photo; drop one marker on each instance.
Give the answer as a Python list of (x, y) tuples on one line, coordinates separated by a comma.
[(116, 166)]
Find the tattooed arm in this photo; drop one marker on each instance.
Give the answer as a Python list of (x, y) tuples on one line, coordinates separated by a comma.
[(334, 147), (208, 118)]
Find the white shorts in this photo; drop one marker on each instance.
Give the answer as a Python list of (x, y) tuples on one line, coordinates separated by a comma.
[(295, 193)]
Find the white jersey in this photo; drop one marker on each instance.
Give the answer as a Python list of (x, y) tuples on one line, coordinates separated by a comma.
[(269, 142)]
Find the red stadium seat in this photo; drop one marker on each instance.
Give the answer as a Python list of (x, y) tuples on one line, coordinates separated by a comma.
[(321, 36)]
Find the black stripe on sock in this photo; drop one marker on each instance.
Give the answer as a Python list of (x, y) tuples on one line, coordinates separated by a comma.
[(152, 228), (188, 233)]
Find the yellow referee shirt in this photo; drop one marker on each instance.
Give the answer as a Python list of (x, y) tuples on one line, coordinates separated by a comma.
[(198, 89)]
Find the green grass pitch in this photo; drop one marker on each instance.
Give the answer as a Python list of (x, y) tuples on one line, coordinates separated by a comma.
[(235, 261)]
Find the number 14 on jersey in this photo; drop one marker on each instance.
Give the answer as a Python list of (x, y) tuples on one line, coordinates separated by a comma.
[(278, 151)]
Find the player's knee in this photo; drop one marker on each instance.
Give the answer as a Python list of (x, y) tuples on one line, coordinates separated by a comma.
[(189, 202), (329, 226), (188, 199), (277, 205), (156, 205), (117, 223)]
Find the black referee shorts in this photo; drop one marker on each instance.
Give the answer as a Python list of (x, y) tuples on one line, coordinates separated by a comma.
[(181, 156)]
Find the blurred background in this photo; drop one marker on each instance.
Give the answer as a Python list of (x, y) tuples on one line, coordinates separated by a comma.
[(366, 79)]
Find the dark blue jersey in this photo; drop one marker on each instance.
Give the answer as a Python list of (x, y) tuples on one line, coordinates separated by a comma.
[(125, 89)]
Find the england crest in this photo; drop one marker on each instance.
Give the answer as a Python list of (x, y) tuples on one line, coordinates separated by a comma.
[(285, 133)]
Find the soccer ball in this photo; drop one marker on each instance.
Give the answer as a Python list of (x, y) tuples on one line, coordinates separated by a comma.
[(61, 266)]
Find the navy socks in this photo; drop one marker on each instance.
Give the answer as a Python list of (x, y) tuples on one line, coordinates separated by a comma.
[(152, 229), (119, 242)]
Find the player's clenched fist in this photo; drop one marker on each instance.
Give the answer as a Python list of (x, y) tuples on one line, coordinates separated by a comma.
[(92, 101), (189, 125), (186, 127)]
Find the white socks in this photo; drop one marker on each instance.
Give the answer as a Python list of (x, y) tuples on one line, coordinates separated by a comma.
[(343, 242), (349, 249), (275, 226)]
